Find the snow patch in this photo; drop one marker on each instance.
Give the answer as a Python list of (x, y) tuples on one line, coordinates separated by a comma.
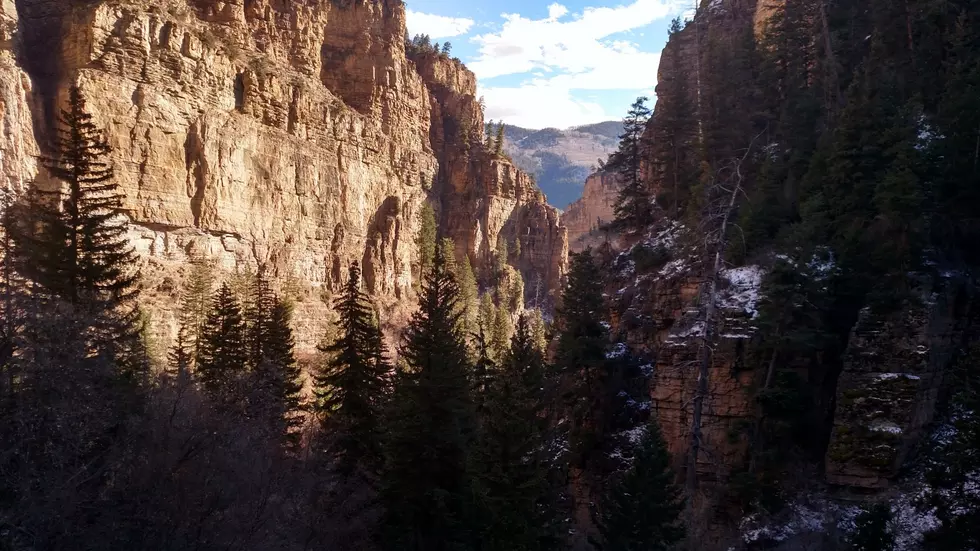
[(885, 426), (743, 294), (892, 376), (619, 350)]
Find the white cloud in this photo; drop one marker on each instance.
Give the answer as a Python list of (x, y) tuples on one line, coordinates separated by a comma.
[(556, 11), (436, 26), (540, 106), (577, 53)]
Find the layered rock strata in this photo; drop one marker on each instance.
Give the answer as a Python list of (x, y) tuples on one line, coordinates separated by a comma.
[(296, 135), (585, 217)]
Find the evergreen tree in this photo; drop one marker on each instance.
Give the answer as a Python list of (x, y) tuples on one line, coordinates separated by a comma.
[(181, 356), (195, 302), (498, 144), (642, 511), (502, 329), (581, 352), (488, 144), (258, 315), (427, 483), (354, 384), (486, 320), (871, 530), (73, 240), (469, 296), (484, 370), (274, 393), (513, 453), (539, 329), (634, 209), (953, 471), (223, 357), (426, 239)]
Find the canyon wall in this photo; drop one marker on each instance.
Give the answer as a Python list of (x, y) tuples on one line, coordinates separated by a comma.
[(297, 135), (585, 217)]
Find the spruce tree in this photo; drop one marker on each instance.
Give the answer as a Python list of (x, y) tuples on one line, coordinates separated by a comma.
[(258, 312), (469, 296), (195, 302), (519, 512), (73, 240), (633, 208), (484, 369), (502, 329), (641, 511), (427, 484), (274, 392), (581, 352), (181, 356), (223, 357), (354, 383), (498, 145), (426, 239)]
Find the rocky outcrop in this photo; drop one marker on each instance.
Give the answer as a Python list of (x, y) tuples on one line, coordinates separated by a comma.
[(18, 150), (295, 135), (485, 199), (585, 217), (887, 393)]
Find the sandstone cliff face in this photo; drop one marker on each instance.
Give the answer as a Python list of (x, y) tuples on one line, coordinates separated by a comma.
[(595, 208), (484, 198), (296, 135), (17, 146)]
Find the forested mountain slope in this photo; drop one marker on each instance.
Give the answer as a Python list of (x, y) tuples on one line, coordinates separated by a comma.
[(806, 276), (560, 160)]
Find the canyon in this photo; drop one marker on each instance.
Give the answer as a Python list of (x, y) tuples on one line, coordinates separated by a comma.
[(297, 136)]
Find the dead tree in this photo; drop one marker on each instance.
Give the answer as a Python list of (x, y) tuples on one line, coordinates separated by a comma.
[(722, 198)]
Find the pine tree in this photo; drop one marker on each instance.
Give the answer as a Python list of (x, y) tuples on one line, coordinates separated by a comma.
[(73, 240), (274, 392), (223, 355), (426, 239), (539, 329), (181, 356), (484, 370), (258, 312), (427, 484), (498, 144), (633, 208), (354, 384), (488, 143), (513, 453), (581, 352), (469, 296), (485, 320), (641, 512), (503, 328), (871, 530), (195, 303)]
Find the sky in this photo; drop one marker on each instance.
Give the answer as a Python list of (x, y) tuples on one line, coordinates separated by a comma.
[(542, 63)]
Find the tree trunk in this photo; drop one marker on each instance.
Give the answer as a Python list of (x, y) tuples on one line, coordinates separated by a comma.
[(707, 343)]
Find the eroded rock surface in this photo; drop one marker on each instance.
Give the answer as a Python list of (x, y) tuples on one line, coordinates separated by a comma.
[(292, 134)]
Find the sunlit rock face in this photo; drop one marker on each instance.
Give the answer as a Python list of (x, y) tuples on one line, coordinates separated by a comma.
[(295, 135)]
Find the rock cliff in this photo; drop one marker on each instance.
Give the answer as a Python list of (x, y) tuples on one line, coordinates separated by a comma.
[(298, 135), (584, 217)]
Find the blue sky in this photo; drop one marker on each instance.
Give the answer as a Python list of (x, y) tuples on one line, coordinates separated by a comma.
[(548, 63)]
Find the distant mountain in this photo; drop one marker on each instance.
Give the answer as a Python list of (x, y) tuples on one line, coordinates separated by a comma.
[(561, 160)]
